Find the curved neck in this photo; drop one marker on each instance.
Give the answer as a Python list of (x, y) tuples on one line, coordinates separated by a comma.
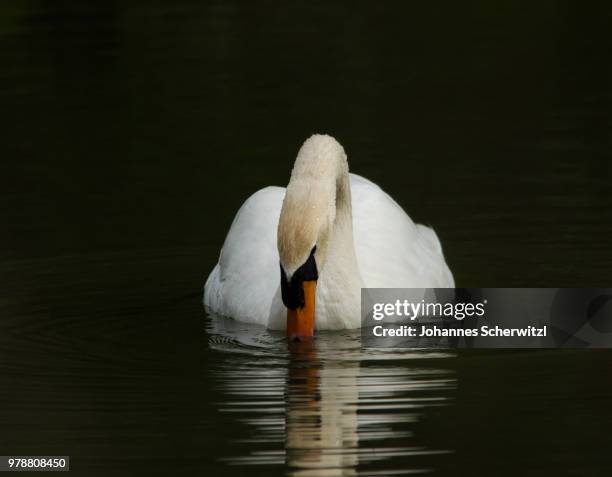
[(342, 258), (317, 210)]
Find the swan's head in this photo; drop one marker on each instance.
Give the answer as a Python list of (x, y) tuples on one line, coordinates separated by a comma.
[(306, 221)]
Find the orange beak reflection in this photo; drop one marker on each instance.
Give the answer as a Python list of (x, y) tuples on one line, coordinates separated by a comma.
[(300, 322)]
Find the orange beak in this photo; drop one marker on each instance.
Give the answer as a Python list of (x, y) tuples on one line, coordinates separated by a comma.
[(300, 322)]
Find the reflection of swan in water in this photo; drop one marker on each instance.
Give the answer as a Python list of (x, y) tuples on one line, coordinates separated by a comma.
[(320, 397), (316, 408), (321, 423)]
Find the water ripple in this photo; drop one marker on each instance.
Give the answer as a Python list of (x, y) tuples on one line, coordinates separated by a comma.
[(328, 408)]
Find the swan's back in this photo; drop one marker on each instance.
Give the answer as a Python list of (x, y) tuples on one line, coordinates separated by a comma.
[(393, 251)]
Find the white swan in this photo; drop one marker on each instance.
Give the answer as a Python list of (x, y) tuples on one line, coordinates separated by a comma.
[(333, 233)]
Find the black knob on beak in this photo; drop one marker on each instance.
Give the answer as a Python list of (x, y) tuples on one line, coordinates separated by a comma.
[(292, 290)]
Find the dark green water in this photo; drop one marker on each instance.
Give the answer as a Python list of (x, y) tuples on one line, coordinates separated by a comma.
[(131, 135)]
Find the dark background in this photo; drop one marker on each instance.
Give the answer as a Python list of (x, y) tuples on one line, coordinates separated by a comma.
[(132, 132)]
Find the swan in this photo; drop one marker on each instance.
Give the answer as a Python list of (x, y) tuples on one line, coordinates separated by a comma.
[(333, 233)]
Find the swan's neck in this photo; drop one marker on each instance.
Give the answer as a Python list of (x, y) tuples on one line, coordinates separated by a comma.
[(317, 211), (341, 241), (341, 271)]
